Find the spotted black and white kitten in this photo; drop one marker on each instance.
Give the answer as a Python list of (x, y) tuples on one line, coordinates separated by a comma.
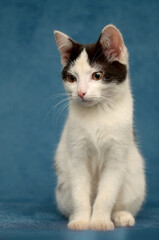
[(101, 180)]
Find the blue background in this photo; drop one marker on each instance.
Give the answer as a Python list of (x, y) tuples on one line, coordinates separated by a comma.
[(30, 77)]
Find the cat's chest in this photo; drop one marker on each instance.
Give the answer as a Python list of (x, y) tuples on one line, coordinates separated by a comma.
[(99, 127), (99, 140), (96, 130), (99, 136)]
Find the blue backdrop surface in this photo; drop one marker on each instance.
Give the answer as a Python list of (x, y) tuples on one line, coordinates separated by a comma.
[(30, 124)]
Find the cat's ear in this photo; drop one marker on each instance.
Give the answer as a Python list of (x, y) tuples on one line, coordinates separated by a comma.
[(65, 45), (112, 43)]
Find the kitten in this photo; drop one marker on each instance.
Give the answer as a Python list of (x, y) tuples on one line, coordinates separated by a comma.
[(101, 180)]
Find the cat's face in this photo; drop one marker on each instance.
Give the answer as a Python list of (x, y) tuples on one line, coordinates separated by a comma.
[(93, 73)]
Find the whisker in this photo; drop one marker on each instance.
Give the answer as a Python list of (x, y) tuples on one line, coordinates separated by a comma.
[(65, 103), (103, 104), (61, 110), (57, 95), (103, 97), (54, 107)]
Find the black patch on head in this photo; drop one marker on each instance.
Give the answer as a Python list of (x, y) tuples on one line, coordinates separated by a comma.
[(113, 71), (73, 55)]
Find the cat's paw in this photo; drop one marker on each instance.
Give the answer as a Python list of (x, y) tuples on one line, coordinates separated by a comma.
[(78, 224), (101, 224), (123, 219)]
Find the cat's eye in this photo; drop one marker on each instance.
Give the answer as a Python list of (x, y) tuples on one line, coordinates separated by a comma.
[(97, 76), (71, 78)]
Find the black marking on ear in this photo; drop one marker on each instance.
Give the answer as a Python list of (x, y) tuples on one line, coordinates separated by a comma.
[(74, 53), (76, 50), (113, 71)]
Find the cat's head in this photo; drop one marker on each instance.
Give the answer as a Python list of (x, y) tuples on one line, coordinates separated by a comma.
[(94, 73)]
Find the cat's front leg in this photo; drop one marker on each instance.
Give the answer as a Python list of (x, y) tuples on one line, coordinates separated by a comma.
[(80, 190), (109, 185)]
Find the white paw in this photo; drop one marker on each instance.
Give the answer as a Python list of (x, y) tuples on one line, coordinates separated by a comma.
[(123, 219), (78, 224), (101, 224)]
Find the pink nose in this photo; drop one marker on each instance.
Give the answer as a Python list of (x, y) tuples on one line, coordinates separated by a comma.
[(81, 94)]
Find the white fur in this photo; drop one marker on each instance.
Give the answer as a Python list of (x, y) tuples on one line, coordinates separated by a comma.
[(100, 171)]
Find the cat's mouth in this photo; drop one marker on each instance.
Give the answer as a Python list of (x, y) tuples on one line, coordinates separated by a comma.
[(87, 102)]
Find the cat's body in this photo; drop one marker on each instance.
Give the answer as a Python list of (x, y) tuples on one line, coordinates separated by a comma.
[(100, 171)]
